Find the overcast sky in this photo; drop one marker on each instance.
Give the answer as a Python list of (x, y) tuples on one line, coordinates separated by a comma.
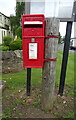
[(7, 7)]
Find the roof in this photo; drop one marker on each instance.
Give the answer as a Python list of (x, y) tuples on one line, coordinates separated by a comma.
[(4, 14)]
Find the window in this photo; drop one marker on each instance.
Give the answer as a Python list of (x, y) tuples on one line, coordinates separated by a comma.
[(5, 20), (0, 17), (4, 33)]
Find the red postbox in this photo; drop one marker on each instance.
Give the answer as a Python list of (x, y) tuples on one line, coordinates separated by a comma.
[(33, 40)]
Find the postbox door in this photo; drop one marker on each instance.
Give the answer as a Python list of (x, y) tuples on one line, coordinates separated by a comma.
[(35, 53)]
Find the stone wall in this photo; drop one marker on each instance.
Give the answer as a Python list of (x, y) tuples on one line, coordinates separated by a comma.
[(12, 61)]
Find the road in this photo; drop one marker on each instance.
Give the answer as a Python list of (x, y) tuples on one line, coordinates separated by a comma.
[(61, 47)]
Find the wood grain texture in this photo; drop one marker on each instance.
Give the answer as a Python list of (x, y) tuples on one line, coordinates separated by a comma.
[(49, 70)]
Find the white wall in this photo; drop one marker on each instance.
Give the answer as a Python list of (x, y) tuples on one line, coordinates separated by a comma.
[(3, 33), (4, 20), (0, 36)]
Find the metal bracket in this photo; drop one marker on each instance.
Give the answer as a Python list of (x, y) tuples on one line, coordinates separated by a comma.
[(55, 59), (50, 36)]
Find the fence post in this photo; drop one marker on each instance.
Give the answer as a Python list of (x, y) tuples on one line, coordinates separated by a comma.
[(65, 57)]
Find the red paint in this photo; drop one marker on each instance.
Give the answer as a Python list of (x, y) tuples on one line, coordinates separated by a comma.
[(51, 36), (55, 59), (35, 31)]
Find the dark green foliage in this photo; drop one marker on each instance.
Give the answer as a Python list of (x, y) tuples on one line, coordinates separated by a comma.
[(16, 44), (20, 8), (59, 40), (63, 39), (15, 21), (7, 40), (19, 32), (4, 48)]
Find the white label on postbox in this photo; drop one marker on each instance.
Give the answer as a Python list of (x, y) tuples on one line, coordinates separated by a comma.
[(32, 50)]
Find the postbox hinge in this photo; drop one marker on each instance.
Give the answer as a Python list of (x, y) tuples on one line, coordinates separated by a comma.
[(54, 59)]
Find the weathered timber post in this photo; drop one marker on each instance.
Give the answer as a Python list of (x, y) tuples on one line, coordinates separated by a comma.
[(49, 70)]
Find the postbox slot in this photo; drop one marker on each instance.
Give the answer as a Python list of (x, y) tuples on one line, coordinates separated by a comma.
[(33, 26), (32, 22)]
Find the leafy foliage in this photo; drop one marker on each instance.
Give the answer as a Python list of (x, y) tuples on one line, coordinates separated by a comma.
[(15, 21), (7, 40), (59, 40), (4, 48), (19, 32), (20, 7), (16, 44)]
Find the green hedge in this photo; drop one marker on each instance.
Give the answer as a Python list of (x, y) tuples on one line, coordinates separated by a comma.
[(7, 40), (19, 32), (16, 44), (4, 48)]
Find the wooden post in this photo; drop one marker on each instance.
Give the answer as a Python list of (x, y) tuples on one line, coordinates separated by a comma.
[(49, 70)]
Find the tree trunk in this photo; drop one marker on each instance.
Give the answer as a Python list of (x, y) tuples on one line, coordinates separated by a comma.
[(49, 70)]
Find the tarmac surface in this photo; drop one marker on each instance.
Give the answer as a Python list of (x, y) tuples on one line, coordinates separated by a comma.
[(61, 47)]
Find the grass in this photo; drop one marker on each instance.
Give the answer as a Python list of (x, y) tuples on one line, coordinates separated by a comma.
[(15, 79), (19, 79), (8, 111), (19, 101), (69, 115), (70, 92), (70, 69), (36, 104)]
